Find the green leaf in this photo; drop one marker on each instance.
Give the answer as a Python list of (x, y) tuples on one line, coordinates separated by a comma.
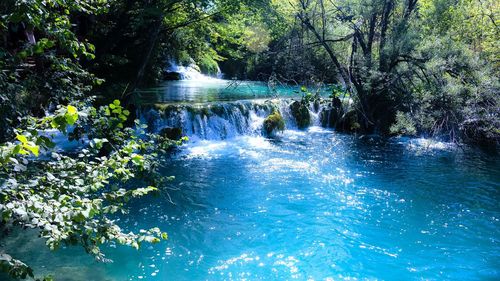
[(17, 149), (71, 115), (72, 110), (137, 159), (54, 123), (35, 149), (71, 119), (85, 213), (22, 138)]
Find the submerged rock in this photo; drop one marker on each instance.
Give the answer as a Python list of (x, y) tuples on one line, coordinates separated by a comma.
[(172, 133), (274, 122), (301, 114)]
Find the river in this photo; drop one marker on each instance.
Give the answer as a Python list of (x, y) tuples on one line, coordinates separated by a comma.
[(308, 204)]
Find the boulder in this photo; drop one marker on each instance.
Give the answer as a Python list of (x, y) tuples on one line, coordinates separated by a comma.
[(301, 114), (274, 122)]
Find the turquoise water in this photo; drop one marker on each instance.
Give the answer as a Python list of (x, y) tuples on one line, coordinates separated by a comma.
[(306, 205), (218, 90), (312, 205)]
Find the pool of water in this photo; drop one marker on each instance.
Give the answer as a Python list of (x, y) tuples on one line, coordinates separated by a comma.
[(211, 90), (311, 204)]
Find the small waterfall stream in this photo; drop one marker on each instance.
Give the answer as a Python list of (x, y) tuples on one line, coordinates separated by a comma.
[(221, 120), (192, 72)]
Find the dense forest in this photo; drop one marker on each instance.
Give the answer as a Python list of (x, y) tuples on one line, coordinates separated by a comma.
[(416, 67), (406, 67)]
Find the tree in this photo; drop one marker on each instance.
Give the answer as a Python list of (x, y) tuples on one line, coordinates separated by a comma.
[(431, 64), (368, 42), (40, 57)]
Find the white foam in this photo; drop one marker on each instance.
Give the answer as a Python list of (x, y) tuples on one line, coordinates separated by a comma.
[(192, 73)]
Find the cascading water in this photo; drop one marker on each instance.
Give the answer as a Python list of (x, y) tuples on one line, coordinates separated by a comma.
[(309, 204), (222, 120), (192, 73), (219, 74)]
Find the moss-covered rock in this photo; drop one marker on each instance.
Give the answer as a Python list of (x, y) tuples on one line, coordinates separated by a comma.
[(348, 122), (274, 122), (172, 133), (301, 114)]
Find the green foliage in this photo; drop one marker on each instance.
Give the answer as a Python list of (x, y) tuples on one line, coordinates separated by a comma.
[(408, 56), (309, 97), (15, 268), (456, 96), (72, 200), (208, 64), (475, 23), (137, 37), (40, 57), (428, 66), (338, 92), (404, 125), (29, 141)]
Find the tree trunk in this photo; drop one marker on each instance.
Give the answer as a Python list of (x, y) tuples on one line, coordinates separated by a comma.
[(147, 58)]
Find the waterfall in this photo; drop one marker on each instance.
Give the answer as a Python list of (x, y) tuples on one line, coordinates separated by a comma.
[(219, 74), (192, 72), (315, 111), (221, 120)]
